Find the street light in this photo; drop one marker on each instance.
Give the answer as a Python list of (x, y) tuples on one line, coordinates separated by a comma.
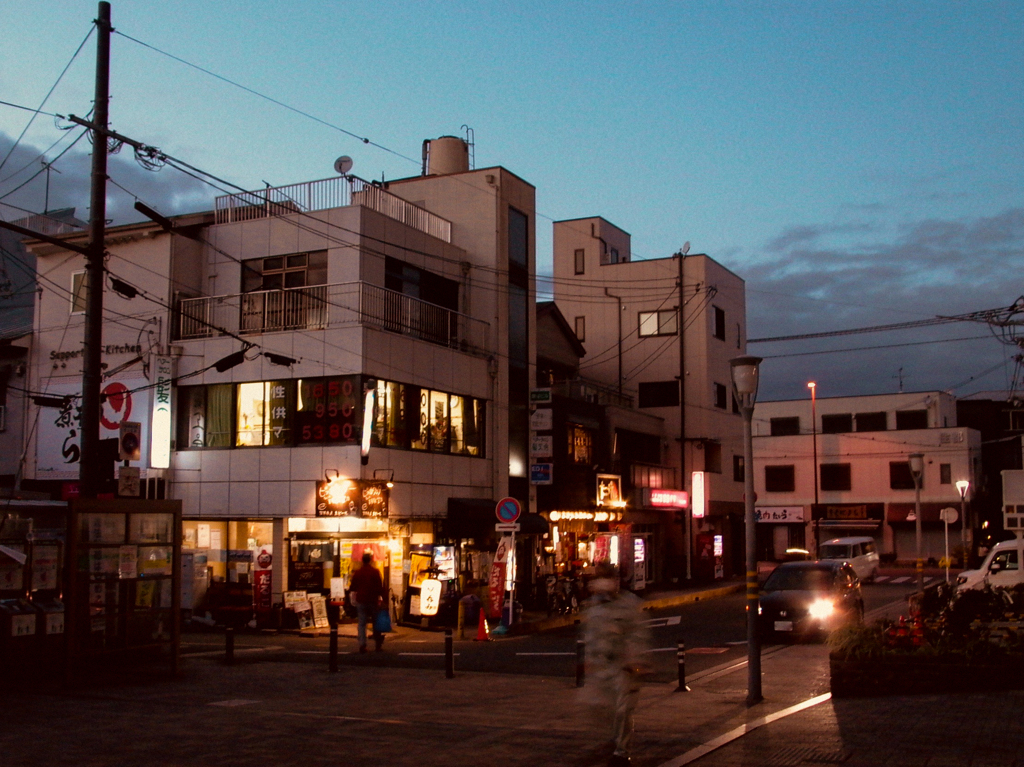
[(917, 471), (814, 447), (963, 486), (744, 383)]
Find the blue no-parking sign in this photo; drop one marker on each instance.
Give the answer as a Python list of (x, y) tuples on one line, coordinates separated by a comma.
[(508, 510)]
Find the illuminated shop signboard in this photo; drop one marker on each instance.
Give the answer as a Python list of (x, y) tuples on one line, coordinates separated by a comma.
[(609, 490), (671, 499), (340, 497)]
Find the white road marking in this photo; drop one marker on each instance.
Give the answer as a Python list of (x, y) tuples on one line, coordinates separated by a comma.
[(431, 654), (233, 703), (671, 620), (545, 653), (703, 750), (882, 578), (901, 579)]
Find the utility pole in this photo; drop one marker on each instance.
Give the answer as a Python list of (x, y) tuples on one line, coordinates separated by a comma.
[(688, 519), (89, 465)]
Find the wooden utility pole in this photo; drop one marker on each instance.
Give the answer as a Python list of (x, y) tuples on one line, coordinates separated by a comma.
[(89, 465)]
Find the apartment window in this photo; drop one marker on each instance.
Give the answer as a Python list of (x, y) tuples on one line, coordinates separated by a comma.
[(205, 416), (579, 260), (264, 414), (871, 422), (785, 427), (721, 396), (580, 443), (839, 423), (835, 476), (900, 477), (719, 323), (419, 283), (779, 479), (78, 293), (660, 323), (581, 328), (945, 474), (658, 394), (292, 271), (911, 419), (738, 474)]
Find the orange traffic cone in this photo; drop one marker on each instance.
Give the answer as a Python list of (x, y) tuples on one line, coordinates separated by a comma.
[(483, 632)]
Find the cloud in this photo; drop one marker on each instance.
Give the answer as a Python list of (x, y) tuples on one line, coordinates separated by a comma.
[(23, 182), (820, 278)]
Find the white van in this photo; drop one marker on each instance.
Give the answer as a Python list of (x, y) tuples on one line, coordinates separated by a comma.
[(859, 551), (1000, 568)]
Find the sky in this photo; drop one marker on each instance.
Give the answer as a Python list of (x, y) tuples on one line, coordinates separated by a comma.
[(856, 163)]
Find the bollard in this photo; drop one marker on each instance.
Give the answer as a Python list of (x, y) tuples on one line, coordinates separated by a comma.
[(681, 660), (333, 653), (229, 645), (462, 620), (449, 655)]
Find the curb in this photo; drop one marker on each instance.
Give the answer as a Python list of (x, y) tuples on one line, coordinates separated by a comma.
[(696, 596)]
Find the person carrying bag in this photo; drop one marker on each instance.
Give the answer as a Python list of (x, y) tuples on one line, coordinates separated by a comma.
[(367, 590)]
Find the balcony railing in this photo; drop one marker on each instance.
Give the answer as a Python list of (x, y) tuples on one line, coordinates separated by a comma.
[(319, 307), (589, 391), (325, 194)]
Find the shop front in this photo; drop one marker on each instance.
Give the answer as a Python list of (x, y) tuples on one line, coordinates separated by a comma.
[(781, 531), (840, 520), (903, 525)]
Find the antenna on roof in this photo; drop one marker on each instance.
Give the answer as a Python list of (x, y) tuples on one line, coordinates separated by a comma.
[(343, 165), (685, 249)]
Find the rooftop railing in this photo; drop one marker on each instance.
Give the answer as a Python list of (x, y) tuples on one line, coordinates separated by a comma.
[(319, 307), (338, 192)]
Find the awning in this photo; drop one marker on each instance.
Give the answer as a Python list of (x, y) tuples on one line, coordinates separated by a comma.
[(899, 512), (14, 554)]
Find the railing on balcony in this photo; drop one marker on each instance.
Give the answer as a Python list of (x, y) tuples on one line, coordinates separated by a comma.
[(325, 194), (318, 307), (589, 391)]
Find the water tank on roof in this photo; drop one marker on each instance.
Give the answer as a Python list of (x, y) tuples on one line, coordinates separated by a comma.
[(447, 154)]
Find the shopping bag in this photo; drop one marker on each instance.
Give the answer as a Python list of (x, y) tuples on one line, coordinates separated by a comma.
[(382, 622)]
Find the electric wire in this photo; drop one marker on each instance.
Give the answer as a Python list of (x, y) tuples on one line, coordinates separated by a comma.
[(47, 97)]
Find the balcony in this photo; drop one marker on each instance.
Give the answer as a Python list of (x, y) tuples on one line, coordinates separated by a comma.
[(589, 391), (328, 193), (319, 307)]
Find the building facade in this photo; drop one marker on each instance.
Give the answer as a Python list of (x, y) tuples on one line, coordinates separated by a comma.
[(846, 472), (318, 370), (661, 332)]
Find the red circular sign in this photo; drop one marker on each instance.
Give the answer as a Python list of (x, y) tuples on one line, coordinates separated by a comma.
[(508, 510)]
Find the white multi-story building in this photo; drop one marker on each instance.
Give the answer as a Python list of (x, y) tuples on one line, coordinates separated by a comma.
[(846, 471), (351, 368), (662, 331)]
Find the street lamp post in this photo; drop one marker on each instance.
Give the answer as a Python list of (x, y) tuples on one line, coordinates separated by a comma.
[(962, 487), (814, 448), (917, 471), (744, 382)]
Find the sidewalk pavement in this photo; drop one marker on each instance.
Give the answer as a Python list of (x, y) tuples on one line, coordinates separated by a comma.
[(266, 712)]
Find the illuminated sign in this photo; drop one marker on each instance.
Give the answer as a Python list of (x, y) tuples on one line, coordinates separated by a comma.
[(673, 499), (430, 596), (160, 423), (699, 498), (340, 497), (370, 399), (609, 490)]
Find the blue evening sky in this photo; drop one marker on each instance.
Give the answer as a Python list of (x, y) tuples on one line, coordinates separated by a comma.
[(858, 163)]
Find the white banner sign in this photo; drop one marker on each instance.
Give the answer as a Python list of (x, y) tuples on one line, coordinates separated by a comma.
[(58, 446), (779, 514)]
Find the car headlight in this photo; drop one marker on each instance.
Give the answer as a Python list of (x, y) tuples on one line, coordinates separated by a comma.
[(821, 609), (961, 579)]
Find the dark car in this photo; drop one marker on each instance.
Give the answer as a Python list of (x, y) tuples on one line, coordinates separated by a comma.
[(809, 599)]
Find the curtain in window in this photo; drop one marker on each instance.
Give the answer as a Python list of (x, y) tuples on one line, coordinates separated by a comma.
[(219, 406)]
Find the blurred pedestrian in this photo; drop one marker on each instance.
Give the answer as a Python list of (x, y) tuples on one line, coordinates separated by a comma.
[(617, 639), (367, 591)]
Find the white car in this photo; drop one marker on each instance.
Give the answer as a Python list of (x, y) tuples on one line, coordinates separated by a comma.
[(1000, 568), (859, 551)]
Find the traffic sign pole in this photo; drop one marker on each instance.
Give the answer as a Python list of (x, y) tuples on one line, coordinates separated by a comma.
[(507, 511)]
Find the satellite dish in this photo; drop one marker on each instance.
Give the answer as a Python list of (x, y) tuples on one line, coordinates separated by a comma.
[(686, 248), (343, 165)]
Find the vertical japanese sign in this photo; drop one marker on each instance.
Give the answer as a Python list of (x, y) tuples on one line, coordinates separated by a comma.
[(496, 584), (160, 424)]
